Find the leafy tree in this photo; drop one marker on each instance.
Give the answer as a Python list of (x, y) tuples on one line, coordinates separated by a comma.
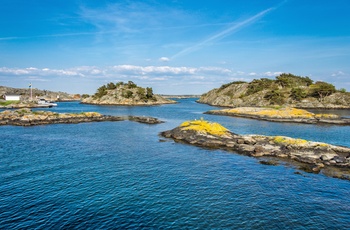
[(298, 93), (111, 86), (149, 92), (101, 92), (322, 89), (85, 96), (258, 85), (131, 85), (291, 80), (275, 97)]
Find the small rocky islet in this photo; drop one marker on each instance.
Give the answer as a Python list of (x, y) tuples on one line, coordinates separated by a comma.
[(125, 94), (285, 114), (27, 117), (317, 156)]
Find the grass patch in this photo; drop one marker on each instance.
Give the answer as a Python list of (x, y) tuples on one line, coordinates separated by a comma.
[(6, 103)]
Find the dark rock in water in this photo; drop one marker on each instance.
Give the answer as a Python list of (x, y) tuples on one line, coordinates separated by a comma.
[(273, 163), (147, 120), (315, 156)]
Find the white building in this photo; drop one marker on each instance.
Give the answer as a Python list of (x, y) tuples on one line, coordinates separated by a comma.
[(12, 97)]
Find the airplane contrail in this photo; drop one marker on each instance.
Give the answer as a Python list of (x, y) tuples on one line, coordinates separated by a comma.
[(222, 34)]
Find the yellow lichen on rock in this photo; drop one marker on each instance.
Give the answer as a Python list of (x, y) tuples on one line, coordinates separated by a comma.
[(203, 126), (327, 116), (289, 141), (92, 114)]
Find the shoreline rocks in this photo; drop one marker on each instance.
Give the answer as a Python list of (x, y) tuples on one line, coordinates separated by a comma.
[(282, 115), (319, 156), (26, 117)]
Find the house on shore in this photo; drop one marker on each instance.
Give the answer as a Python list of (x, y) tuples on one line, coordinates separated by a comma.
[(12, 97)]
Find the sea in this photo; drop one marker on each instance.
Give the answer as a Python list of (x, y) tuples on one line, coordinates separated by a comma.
[(123, 175)]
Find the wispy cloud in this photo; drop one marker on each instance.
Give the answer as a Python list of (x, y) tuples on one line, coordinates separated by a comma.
[(233, 28)]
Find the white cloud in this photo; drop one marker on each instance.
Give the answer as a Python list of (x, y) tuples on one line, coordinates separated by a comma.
[(338, 73), (164, 59)]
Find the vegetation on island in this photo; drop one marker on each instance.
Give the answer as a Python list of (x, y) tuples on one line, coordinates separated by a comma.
[(128, 90), (285, 89), (121, 93)]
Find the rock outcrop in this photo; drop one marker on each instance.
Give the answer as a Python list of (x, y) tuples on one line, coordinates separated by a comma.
[(125, 94), (26, 117), (287, 90), (317, 155), (282, 115)]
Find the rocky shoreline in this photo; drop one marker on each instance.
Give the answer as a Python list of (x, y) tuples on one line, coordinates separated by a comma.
[(26, 117), (282, 115), (25, 105), (319, 157)]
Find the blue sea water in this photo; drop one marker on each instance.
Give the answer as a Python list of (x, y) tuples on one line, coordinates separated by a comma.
[(119, 175)]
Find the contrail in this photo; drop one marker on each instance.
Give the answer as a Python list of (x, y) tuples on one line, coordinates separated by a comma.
[(224, 33)]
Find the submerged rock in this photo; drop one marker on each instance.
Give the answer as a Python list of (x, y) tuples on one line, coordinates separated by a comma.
[(212, 135)]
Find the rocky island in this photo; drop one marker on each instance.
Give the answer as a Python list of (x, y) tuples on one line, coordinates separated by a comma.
[(125, 94), (319, 157), (286, 114), (27, 117), (286, 90)]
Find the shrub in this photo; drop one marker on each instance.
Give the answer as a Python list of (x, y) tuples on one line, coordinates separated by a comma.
[(298, 93), (275, 97), (127, 94), (258, 85), (291, 80), (111, 86), (101, 92)]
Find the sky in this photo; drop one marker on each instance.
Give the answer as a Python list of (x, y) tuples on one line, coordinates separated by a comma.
[(174, 46)]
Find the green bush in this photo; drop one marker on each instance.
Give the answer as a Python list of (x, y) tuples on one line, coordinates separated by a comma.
[(258, 85), (111, 86), (101, 92), (275, 97), (290, 80), (127, 94), (298, 93)]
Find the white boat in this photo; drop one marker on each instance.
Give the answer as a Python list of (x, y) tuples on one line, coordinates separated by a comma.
[(44, 103)]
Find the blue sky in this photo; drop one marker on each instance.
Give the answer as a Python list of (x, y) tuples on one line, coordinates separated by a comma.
[(173, 46)]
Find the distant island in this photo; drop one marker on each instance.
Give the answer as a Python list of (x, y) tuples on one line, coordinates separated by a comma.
[(315, 156), (125, 94), (286, 90)]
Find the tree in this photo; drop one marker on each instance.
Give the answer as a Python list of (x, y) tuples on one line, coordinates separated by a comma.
[(322, 89), (298, 93), (111, 86), (101, 92), (149, 92)]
